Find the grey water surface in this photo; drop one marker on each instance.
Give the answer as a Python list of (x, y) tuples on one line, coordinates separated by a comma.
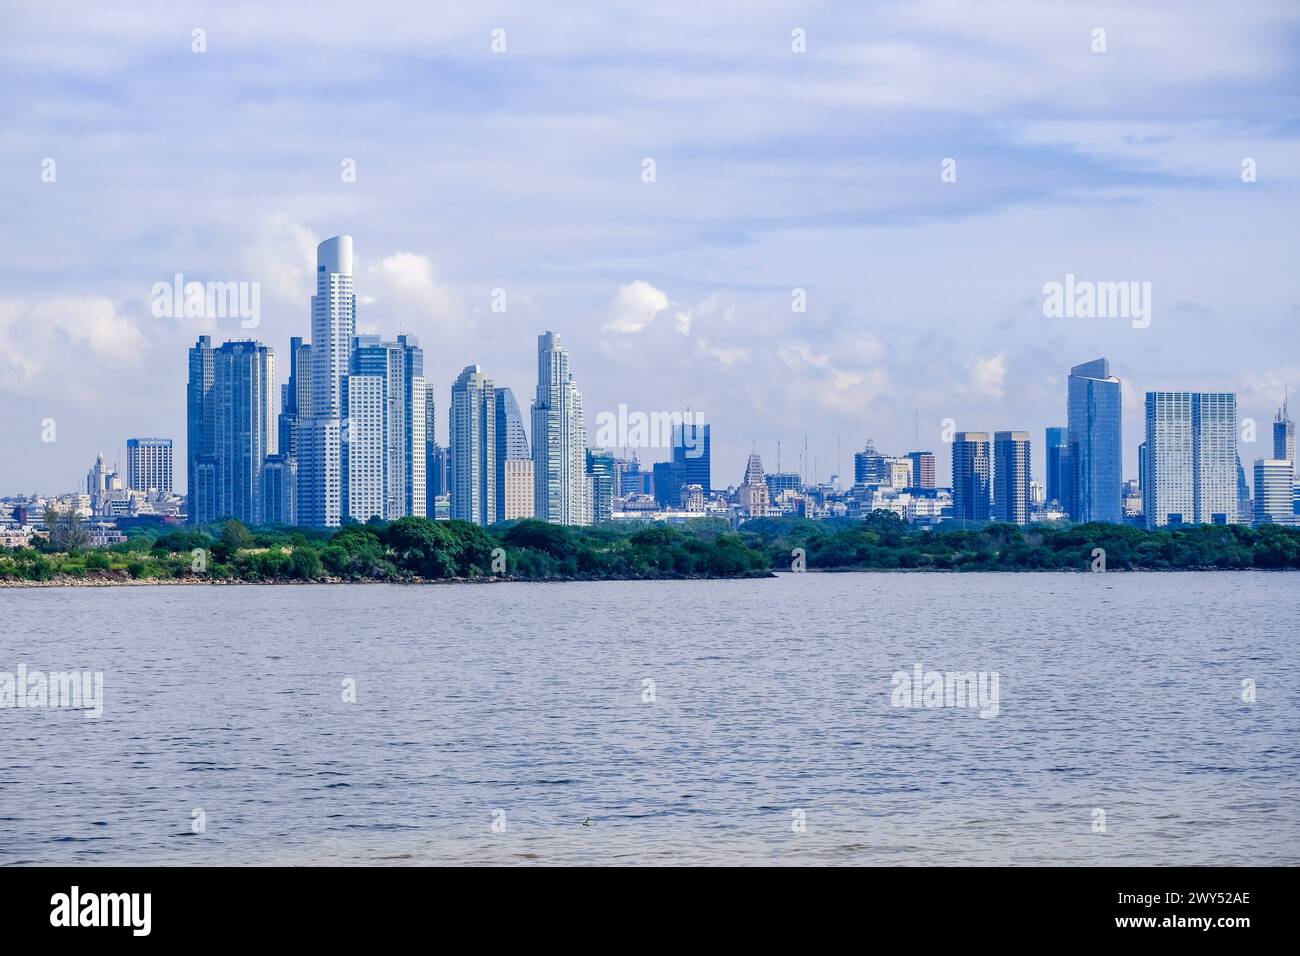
[(516, 723)]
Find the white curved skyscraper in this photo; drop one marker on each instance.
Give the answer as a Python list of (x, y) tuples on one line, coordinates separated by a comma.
[(333, 323)]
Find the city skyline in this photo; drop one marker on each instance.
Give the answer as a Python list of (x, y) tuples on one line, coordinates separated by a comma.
[(923, 297)]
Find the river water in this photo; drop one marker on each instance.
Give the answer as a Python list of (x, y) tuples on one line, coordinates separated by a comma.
[(687, 722)]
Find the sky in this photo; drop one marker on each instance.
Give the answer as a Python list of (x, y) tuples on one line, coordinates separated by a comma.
[(523, 168)]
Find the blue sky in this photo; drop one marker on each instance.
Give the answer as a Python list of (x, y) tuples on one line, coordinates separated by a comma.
[(775, 170)]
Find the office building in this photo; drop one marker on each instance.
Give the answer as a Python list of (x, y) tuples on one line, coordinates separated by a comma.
[(1273, 499), (923, 472), (199, 429), (1011, 477), (1057, 475), (692, 455), (971, 476), (1191, 459), (149, 465), (1095, 446)]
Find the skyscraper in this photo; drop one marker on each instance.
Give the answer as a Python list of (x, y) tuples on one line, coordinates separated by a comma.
[(244, 430), (473, 472), (1284, 436), (1095, 448), (279, 484), (1191, 459), (691, 454), (559, 439), (333, 325), (149, 464), (1273, 492), (199, 431), (971, 476), (364, 449), (1011, 477), (923, 473), (1284, 449), (512, 445), (600, 466), (869, 466), (295, 396), (1058, 475), (399, 368)]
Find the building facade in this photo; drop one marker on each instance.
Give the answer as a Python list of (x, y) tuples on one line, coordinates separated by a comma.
[(971, 476), (559, 439), (472, 468), (1191, 459), (333, 326), (1011, 477), (1095, 444), (149, 465)]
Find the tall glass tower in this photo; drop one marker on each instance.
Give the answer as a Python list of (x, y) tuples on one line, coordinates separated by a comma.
[(1095, 447), (562, 488)]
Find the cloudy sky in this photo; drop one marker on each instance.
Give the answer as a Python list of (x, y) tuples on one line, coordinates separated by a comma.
[(774, 170)]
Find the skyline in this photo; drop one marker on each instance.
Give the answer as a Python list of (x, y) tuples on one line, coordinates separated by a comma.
[(775, 171)]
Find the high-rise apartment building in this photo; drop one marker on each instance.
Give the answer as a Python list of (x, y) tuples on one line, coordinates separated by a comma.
[(333, 325), (1273, 492), (971, 476), (279, 489), (559, 439), (398, 367), (1095, 446), (923, 472), (149, 465), (245, 432), (517, 488), (472, 470), (1011, 477), (295, 396), (512, 445), (1191, 459)]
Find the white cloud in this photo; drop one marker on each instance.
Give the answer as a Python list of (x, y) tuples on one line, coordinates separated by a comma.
[(988, 375), (635, 307), (55, 338), (406, 293)]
